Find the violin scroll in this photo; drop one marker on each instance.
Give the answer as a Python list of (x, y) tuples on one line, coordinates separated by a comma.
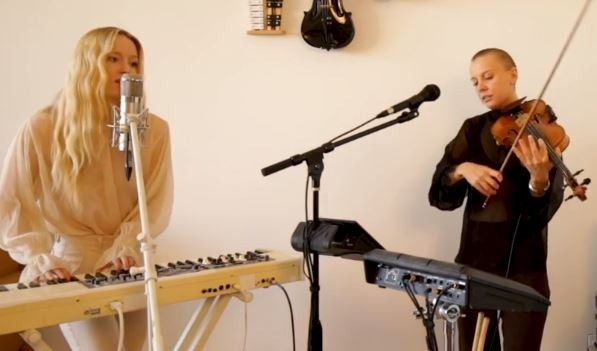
[(578, 190)]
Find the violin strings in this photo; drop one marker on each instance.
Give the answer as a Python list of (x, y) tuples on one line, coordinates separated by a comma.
[(532, 128)]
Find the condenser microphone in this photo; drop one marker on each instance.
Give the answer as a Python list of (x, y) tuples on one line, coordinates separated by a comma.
[(131, 105), (429, 93), (131, 102)]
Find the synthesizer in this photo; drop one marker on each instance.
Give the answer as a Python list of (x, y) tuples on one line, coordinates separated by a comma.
[(450, 283), (33, 306)]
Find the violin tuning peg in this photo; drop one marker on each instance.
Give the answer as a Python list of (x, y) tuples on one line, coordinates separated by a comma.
[(586, 181)]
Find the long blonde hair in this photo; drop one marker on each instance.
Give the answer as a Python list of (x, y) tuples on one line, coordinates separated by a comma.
[(82, 109)]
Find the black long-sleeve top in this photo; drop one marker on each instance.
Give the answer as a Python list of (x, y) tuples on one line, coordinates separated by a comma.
[(487, 233)]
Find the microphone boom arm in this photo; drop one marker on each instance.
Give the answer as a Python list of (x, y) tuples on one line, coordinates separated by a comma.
[(330, 146)]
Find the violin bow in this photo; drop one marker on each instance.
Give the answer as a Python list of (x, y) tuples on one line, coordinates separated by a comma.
[(579, 19)]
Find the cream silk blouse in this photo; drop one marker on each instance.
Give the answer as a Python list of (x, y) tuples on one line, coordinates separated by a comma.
[(32, 216)]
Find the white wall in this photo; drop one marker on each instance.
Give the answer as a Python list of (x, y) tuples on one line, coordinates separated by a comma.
[(237, 103)]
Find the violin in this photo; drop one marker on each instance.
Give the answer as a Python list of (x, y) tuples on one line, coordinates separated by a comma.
[(537, 122), (327, 25), (542, 124)]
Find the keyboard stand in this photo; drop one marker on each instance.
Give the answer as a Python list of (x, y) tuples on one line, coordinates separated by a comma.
[(449, 313), (34, 339), (204, 320)]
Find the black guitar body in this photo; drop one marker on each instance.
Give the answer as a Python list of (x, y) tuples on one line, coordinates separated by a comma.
[(326, 25)]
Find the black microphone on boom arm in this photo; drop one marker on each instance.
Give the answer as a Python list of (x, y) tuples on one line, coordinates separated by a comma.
[(429, 93)]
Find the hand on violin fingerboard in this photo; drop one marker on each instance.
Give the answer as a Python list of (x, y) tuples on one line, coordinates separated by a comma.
[(533, 155)]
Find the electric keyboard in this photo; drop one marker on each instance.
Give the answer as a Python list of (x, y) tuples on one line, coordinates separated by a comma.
[(25, 307), (450, 283)]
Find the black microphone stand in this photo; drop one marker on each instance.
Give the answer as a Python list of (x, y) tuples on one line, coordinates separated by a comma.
[(314, 160)]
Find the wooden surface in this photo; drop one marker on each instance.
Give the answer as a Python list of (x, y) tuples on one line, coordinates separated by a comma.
[(9, 273)]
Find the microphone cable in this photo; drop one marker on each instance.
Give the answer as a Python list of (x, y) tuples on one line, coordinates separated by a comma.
[(117, 306), (246, 326), (353, 129), (498, 319), (246, 320), (291, 315), (307, 263), (430, 338)]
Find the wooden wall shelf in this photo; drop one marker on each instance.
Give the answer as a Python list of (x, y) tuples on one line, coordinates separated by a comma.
[(266, 32)]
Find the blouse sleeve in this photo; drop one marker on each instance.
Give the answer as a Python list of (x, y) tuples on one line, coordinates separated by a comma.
[(159, 185), (23, 232), (441, 194)]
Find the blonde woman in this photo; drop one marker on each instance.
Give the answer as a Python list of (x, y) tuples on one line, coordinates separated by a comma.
[(66, 206)]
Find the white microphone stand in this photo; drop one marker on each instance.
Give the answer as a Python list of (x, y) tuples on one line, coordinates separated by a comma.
[(147, 242), (128, 119)]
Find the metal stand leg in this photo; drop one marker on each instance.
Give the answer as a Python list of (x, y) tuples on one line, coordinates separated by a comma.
[(450, 336), (450, 315), (204, 320)]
